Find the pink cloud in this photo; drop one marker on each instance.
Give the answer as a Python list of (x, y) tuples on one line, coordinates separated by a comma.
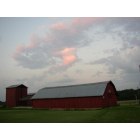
[(68, 55), (83, 22), (58, 26), (18, 51), (34, 41)]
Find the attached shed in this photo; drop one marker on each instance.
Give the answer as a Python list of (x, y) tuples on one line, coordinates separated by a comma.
[(26, 101), (93, 95)]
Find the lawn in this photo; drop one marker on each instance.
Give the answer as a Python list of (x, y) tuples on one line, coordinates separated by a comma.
[(119, 114)]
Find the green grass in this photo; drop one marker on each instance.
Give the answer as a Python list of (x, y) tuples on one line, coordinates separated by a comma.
[(119, 114)]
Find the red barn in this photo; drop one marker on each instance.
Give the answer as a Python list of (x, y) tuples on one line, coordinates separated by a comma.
[(14, 93), (93, 95)]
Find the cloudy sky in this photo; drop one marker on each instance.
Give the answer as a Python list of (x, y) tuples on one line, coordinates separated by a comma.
[(40, 52)]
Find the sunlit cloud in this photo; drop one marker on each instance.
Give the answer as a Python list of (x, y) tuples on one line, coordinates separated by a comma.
[(68, 55)]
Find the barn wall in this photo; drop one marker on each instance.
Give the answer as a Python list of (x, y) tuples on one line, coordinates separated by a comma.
[(11, 97), (110, 98), (80, 102)]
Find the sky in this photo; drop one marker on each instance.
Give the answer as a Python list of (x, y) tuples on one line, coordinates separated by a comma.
[(43, 52)]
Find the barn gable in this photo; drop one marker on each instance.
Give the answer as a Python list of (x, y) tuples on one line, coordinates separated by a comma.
[(84, 90)]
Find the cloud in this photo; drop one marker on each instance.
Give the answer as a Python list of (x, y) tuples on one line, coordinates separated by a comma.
[(33, 58), (68, 55), (63, 81), (127, 60), (127, 28), (0, 39), (61, 37)]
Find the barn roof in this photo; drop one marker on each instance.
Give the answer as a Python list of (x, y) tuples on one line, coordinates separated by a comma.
[(14, 86), (84, 90)]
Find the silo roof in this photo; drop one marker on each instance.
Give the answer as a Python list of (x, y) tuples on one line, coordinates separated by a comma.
[(14, 86)]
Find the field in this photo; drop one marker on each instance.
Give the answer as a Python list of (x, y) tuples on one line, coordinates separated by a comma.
[(126, 112)]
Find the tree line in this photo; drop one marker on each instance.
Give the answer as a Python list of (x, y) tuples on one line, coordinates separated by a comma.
[(129, 94)]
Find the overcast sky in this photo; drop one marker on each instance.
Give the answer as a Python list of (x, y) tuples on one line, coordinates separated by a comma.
[(40, 52)]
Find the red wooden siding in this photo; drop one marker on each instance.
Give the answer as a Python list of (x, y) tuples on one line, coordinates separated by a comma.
[(80, 102), (11, 97)]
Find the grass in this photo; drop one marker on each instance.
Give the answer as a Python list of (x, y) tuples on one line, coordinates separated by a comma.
[(121, 114)]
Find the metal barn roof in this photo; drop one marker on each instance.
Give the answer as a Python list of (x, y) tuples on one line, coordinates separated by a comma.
[(84, 90)]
